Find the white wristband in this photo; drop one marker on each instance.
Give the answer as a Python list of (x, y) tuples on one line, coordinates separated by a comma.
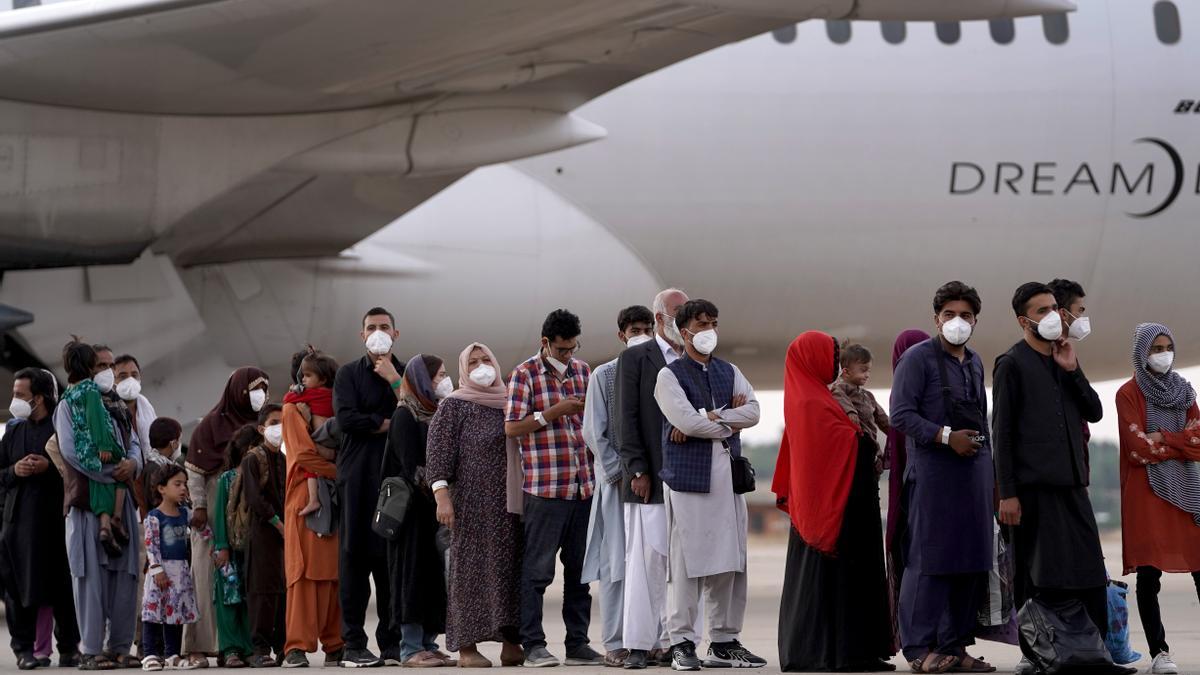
[(946, 435), (439, 485), (541, 419)]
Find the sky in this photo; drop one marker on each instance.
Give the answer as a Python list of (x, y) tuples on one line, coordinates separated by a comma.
[(770, 428)]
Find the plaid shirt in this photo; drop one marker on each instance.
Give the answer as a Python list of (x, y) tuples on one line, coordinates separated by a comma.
[(557, 464)]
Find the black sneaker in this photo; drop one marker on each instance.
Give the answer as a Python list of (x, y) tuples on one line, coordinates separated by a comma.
[(637, 659), (360, 658), (27, 662), (43, 661), (68, 660), (295, 659), (391, 657), (333, 660), (683, 656), (732, 655), (584, 656)]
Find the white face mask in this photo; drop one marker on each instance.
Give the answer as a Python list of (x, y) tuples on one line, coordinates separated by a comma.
[(957, 331), (1049, 328), (274, 435), (20, 409), (258, 398), (1161, 362), (129, 388), (379, 343), (444, 388), (483, 375), (638, 340), (104, 380), (705, 341), (1081, 328), (559, 366)]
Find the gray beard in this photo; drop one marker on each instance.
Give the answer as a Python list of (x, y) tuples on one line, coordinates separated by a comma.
[(672, 334)]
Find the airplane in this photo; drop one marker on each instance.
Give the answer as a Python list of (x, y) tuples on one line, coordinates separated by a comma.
[(225, 202)]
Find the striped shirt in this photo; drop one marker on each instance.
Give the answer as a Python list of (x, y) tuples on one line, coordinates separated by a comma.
[(556, 461)]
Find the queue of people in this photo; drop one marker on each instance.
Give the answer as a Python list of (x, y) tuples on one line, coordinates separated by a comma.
[(265, 540)]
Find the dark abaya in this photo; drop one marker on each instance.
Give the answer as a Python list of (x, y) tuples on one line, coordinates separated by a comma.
[(834, 613)]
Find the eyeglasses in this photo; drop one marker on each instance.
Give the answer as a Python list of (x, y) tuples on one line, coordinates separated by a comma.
[(566, 351)]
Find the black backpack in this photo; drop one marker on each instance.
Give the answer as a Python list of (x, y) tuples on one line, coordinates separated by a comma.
[(395, 494), (1060, 637)]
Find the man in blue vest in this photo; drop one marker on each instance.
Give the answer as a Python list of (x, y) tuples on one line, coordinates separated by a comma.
[(706, 403)]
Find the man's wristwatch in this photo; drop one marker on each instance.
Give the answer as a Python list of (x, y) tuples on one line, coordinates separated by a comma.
[(541, 419), (946, 435)]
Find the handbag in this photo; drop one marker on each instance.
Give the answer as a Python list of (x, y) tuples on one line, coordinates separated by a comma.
[(743, 473), (1060, 637), (395, 495), (1117, 638)]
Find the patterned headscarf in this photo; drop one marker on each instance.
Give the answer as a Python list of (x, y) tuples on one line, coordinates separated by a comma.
[(1169, 397), (418, 395)]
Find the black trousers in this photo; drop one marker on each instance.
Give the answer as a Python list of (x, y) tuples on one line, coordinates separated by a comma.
[(268, 622), (161, 640), (1149, 583), (355, 572), (555, 527), (22, 623)]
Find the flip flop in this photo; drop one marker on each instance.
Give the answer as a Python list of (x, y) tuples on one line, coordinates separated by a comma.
[(976, 666), (944, 663)]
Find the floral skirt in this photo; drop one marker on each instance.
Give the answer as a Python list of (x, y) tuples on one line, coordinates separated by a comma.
[(175, 605)]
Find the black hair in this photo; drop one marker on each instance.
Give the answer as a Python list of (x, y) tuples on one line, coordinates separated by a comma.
[(692, 309), (1066, 292), (243, 439), (1025, 292), (79, 360), (164, 430), (41, 383), (432, 364), (298, 360), (163, 473), (632, 315), (265, 413), (101, 348), (561, 324), (324, 367), (377, 311), (837, 357), (126, 358), (853, 353), (956, 290)]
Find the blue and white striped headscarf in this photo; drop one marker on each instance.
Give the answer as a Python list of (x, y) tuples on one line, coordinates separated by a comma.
[(1169, 397)]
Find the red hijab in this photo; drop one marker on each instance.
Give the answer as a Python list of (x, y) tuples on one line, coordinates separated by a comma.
[(820, 443)]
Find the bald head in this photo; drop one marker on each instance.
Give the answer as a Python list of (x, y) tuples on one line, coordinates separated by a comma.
[(666, 303)]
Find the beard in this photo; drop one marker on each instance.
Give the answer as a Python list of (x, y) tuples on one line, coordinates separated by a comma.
[(672, 334)]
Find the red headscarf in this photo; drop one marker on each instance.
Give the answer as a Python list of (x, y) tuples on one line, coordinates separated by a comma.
[(820, 443)]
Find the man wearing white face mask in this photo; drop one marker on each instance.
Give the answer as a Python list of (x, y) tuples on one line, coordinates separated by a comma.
[(128, 378), (706, 402), (939, 403), (1070, 298), (365, 393), (1042, 399), (605, 557)]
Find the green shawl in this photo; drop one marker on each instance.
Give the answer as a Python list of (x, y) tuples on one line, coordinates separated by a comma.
[(91, 425)]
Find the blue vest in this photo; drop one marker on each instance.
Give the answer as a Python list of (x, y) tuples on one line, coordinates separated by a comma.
[(687, 466)]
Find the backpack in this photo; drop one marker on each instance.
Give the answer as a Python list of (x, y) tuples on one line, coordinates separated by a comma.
[(237, 511), (395, 494), (1060, 637)]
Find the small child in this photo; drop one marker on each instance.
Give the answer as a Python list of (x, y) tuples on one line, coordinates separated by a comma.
[(314, 392), (850, 392), (169, 593)]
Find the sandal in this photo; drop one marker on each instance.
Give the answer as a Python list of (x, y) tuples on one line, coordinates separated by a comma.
[(96, 662), (942, 663), (970, 664), (120, 534), (233, 660), (124, 660), (110, 546)]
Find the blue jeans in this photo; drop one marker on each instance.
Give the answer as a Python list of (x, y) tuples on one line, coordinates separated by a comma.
[(555, 527), (414, 639)]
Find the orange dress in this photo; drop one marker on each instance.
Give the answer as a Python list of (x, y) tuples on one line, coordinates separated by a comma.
[(310, 562), (1153, 532)]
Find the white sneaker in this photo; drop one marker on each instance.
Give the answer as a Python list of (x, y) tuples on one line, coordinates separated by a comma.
[(1164, 665)]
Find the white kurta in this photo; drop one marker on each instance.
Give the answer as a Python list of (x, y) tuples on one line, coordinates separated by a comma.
[(708, 529)]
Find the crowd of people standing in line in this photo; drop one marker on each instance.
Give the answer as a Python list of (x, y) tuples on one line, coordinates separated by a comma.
[(260, 544)]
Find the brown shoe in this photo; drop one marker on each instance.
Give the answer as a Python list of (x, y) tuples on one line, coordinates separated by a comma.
[(423, 660), (475, 660), (616, 658)]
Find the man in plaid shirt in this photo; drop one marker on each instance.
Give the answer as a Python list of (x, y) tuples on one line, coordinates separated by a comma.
[(545, 415)]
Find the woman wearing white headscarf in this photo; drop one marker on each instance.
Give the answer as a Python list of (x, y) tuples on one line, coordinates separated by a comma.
[(466, 463), (1160, 478)]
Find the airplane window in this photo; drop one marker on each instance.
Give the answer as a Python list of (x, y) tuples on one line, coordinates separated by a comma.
[(1056, 28), (1166, 22), (948, 32), (1003, 31), (893, 31), (838, 31), (785, 35)]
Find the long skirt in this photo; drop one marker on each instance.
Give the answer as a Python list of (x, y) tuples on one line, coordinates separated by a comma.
[(834, 612)]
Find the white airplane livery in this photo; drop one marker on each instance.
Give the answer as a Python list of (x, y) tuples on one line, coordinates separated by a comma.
[(208, 184)]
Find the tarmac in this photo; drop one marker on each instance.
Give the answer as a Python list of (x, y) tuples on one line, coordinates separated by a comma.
[(1180, 608)]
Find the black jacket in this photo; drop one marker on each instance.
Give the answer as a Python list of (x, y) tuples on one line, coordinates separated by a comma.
[(641, 422), (1037, 425)]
